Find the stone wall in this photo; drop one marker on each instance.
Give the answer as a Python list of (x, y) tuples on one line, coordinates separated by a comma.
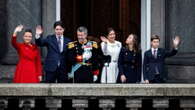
[(26, 12), (180, 20), (13, 13), (170, 18)]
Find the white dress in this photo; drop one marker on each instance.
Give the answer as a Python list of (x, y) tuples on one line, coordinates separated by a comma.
[(112, 49)]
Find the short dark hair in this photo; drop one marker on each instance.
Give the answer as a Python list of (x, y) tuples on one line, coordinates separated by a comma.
[(109, 30), (28, 30), (58, 23), (155, 37), (82, 29)]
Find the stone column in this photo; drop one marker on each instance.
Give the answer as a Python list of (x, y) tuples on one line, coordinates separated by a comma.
[(26, 12), (133, 104), (187, 104), (48, 19), (180, 18), (3, 104), (53, 103), (160, 103), (27, 104), (80, 104), (158, 19), (107, 104)]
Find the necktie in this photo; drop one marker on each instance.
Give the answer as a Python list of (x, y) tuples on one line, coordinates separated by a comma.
[(155, 56), (155, 53), (59, 43)]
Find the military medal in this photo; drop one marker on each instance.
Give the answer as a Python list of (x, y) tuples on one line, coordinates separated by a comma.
[(79, 58)]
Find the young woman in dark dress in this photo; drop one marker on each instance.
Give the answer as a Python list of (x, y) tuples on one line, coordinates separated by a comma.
[(130, 61)]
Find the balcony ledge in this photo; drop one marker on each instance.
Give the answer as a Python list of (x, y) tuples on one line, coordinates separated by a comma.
[(98, 90)]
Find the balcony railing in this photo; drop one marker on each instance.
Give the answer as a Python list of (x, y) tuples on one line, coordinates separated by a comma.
[(105, 95)]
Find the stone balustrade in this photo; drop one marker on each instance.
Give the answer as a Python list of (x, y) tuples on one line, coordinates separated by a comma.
[(106, 96)]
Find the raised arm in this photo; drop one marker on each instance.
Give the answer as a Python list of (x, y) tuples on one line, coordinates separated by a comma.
[(104, 44), (176, 42), (38, 39), (14, 42)]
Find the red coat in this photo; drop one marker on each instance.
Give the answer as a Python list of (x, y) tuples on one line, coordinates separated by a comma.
[(29, 67)]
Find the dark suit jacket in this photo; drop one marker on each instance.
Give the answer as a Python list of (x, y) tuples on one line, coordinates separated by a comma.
[(150, 63), (53, 53)]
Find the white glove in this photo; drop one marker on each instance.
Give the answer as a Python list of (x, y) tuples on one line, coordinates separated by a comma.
[(39, 31), (18, 28), (95, 78)]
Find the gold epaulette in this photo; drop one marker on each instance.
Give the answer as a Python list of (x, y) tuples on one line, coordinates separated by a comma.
[(95, 45), (71, 44)]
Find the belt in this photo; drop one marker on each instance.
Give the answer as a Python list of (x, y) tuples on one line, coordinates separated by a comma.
[(86, 64), (114, 61)]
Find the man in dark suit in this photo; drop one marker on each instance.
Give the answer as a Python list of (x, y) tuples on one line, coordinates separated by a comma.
[(153, 67), (55, 62)]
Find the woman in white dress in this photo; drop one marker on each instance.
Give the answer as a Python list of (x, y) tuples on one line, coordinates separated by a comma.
[(110, 47)]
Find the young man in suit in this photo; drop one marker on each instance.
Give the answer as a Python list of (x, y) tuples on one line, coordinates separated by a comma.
[(55, 62), (153, 67)]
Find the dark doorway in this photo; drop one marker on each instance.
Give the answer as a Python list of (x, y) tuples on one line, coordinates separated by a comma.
[(97, 15), (3, 28)]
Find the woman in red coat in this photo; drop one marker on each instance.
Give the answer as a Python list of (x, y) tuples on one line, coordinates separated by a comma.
[(29, 68)]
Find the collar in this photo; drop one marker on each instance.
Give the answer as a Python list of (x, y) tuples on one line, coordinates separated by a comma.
[(58, 37), (154, 49), (83, 42)]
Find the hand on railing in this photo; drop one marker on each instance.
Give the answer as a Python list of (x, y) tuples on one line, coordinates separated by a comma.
[(146, 82)]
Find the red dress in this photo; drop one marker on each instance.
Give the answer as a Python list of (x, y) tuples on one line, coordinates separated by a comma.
[(29, 67)]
